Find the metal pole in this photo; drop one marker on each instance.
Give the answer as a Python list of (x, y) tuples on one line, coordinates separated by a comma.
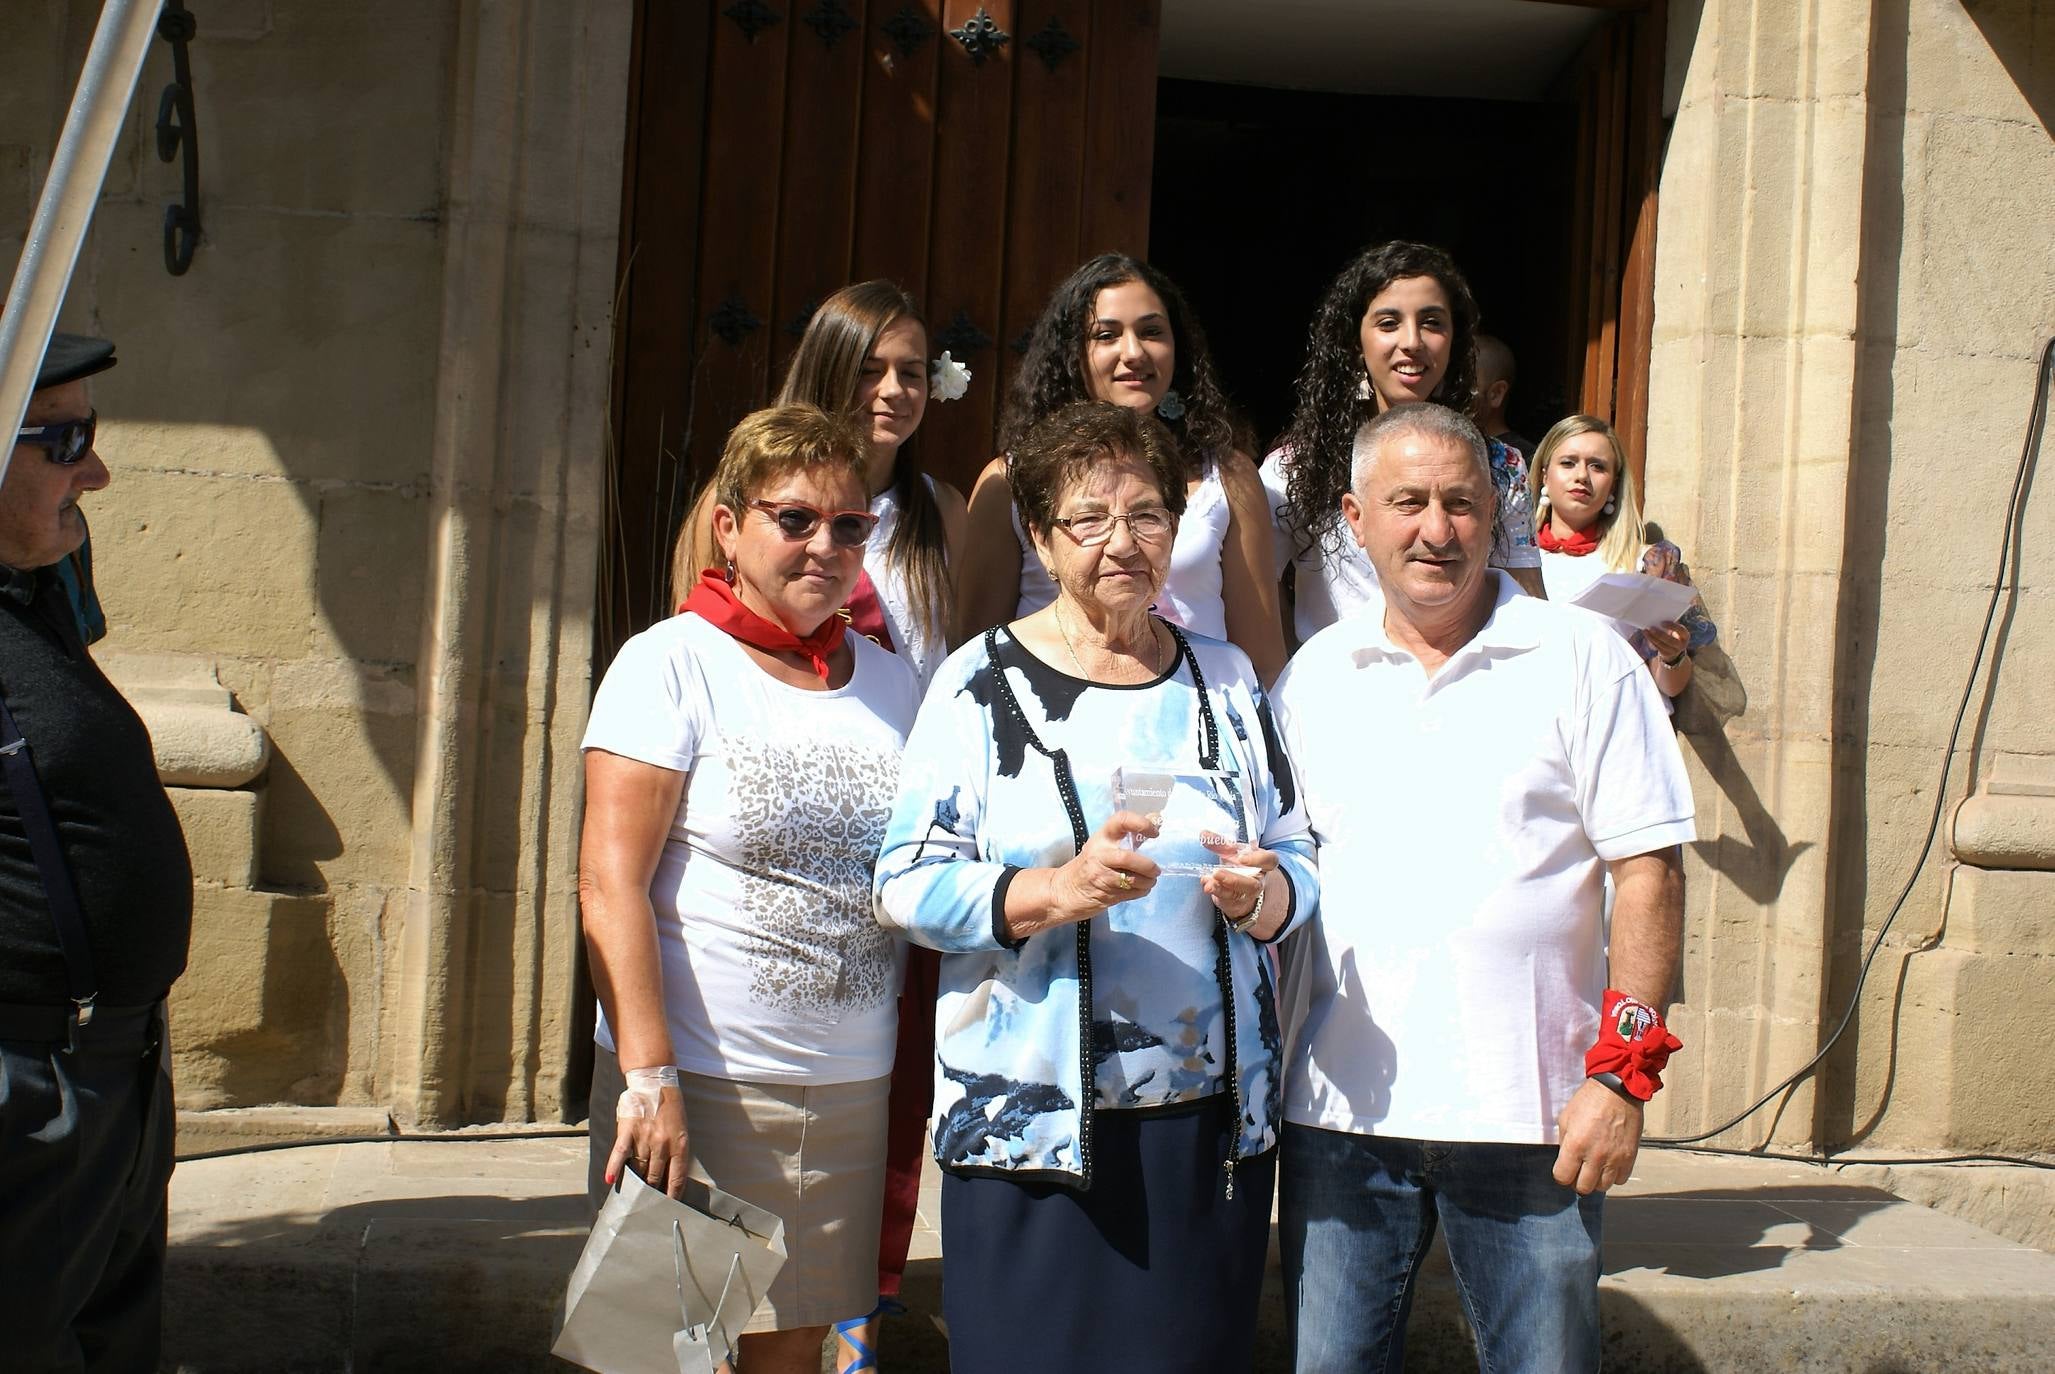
[(98, 110)]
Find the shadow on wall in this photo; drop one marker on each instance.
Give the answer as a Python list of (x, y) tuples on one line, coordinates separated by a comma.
[(1759, 859), (273, 420), (273, 434), (1894, 338), (278, 1030), (2008, 26)]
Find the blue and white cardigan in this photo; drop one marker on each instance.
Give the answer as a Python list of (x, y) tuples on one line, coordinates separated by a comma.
[(982, 794)]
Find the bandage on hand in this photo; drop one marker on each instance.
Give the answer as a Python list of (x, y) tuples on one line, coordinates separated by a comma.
[(645, 1093)]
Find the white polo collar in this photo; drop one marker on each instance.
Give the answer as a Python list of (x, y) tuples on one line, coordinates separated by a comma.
[(1511, 629)]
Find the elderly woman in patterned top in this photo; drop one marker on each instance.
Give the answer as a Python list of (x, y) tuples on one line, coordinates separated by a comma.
[(1106, 1035), (739, 766)]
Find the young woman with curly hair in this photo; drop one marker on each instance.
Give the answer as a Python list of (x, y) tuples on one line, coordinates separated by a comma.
[(1119, 330), (1398, 325)]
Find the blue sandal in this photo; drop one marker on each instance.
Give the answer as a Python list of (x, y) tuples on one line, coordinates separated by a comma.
[(845, 1331)]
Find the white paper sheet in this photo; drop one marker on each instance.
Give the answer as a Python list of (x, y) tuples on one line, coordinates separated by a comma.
[(1636, 598)]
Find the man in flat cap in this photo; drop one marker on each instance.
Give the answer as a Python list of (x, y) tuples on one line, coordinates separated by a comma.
[(95, 909)]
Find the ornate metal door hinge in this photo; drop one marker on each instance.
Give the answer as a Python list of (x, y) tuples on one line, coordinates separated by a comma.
[(178, 134)]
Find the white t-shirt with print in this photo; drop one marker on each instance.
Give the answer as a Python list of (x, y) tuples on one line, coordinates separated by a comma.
[(775, 969), (1464, 821)]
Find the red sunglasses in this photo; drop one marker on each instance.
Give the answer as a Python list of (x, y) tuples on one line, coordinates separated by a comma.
[(850, 529)]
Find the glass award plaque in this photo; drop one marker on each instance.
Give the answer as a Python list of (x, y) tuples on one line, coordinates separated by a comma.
[(1200, 813)]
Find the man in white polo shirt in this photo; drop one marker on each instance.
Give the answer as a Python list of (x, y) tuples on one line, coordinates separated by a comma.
[(1474, 761)]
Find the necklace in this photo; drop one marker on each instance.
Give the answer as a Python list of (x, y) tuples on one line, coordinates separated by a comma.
[(1155, 646)]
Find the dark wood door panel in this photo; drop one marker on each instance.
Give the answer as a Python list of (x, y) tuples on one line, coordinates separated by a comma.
[(972, 152)]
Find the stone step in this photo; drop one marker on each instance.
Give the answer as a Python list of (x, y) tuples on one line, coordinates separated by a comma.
[(452, 1255)]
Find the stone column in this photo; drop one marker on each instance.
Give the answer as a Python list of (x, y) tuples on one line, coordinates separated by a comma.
[(1854, 288), (1958, 288), (483, 982), (1751, 436)]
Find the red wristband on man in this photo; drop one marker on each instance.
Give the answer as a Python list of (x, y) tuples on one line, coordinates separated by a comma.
[(1633, 1044)]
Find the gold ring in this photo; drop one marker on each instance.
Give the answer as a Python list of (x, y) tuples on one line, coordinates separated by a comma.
[(1126, 881)]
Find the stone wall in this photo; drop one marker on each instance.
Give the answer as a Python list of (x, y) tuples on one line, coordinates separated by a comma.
[(344, 448), (1957, 300), (1855, 272)]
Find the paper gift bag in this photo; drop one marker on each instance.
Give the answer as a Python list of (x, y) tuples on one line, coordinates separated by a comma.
[(665, 1287)]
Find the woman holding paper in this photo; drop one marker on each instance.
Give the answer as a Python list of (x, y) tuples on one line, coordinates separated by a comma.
[(1588, 514), (739, 766), (1107, 1040)]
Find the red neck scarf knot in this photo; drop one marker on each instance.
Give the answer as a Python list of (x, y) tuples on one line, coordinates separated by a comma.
[(1576, 543), (714, 601)]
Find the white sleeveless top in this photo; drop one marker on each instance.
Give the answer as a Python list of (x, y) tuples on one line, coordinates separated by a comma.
[(922, 646), (1566, 575), (1191, 595), (1325, 586)]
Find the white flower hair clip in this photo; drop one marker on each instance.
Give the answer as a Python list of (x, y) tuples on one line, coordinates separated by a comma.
[(948, 379)]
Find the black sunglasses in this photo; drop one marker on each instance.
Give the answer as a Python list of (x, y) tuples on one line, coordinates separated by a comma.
[(797, 520), (65, 442)]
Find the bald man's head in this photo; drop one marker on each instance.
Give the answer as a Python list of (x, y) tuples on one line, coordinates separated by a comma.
[(1494, 382), (1494, 362)]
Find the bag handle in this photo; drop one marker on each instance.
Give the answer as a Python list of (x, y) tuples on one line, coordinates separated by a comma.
[(678, 1263)]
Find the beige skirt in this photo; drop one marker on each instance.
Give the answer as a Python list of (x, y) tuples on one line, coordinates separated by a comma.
[(813, 1155)]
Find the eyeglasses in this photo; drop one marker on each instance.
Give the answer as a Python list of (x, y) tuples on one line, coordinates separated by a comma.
[(850, 529), (65, 442), (1096, 527)]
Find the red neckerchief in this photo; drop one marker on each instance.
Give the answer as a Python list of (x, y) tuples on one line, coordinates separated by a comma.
[(865, 613), (714, 601), (1576, 543)]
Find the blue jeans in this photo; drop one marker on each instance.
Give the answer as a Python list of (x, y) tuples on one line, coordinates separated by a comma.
[(1356, 1214)]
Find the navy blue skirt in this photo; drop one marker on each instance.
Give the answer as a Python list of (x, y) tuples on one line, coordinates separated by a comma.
[(1152, 1269)]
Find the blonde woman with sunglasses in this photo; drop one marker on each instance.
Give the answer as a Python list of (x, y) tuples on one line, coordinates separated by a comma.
[(865, 354), (739, 766)]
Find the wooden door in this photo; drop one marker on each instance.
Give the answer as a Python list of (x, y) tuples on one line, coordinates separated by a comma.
[(778, 149), (1617, 84)]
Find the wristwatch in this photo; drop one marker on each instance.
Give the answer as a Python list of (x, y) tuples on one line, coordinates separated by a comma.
[(1614, 1081), (1241, 927)]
